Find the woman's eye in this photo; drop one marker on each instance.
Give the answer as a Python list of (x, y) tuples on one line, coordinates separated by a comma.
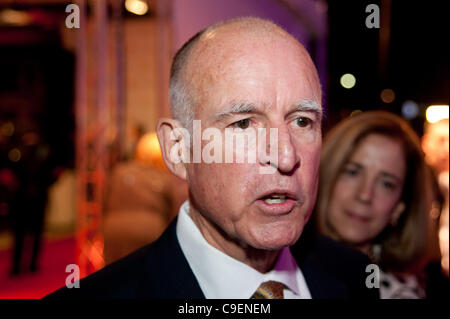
[(388, 185), (242, 124), (351, 171), (303, 121)]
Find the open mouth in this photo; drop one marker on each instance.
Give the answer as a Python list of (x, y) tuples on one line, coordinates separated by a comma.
[(275, 199), (278, 197), (278, 202)]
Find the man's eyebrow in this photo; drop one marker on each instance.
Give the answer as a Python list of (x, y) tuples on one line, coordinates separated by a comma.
[(308, 105), (236, 108), (305, 105)]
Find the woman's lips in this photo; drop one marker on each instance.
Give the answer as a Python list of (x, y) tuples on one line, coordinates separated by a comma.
[(356, 217)]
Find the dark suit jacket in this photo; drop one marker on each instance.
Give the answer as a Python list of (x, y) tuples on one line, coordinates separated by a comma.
[(160, 270)]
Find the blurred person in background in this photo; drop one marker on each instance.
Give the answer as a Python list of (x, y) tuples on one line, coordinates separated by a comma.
[(374, 196), (435, 144), (36, 137), (143, 199), (32, 165)]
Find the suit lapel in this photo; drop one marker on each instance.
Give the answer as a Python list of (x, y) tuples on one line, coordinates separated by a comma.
[(168, 271), (311, 255), (320, 283)]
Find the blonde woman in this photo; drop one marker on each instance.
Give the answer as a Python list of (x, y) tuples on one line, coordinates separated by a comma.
[(374, 196)]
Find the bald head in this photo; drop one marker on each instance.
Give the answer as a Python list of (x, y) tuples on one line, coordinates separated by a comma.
[(228, 47)]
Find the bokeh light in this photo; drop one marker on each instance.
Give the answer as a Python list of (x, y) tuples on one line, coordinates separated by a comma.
[(436, 113), (355, 112), (138, 7), (387, 96), (410, 109), (348, 80), (7, 129), (14, 155)]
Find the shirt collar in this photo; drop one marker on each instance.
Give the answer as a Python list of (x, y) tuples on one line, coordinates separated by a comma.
[(223, 277)]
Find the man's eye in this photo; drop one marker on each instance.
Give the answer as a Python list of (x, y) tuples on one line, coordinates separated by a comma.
[(242, 124), (304, 121)]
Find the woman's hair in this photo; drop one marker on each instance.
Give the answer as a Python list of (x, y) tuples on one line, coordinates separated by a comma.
[(402, 244)]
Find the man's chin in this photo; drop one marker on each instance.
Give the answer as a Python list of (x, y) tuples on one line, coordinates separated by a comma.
[(274, 247), (277, 242)]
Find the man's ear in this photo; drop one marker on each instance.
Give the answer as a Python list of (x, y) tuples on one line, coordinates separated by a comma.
[(398, 211), (173, 139)]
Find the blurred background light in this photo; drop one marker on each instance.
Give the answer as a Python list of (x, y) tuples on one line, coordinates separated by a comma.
[(14, 155), (14, 17), (355, 112), (387, 96), (7, 129), (138, 7), (436, 113), (348, 80), (148, 151), (30, 138), (410, 109)]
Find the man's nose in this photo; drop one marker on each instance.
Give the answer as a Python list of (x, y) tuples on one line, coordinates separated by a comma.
[(285, 159)]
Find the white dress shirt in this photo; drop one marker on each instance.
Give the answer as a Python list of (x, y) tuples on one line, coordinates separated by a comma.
[(223, 277)]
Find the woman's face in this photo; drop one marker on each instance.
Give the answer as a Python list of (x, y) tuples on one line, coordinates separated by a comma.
[(366, 197)]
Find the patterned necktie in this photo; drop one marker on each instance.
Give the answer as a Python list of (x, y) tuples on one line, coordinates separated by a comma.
[(269, 290)]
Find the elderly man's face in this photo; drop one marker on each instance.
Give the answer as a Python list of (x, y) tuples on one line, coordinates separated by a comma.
[(235, 201)]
